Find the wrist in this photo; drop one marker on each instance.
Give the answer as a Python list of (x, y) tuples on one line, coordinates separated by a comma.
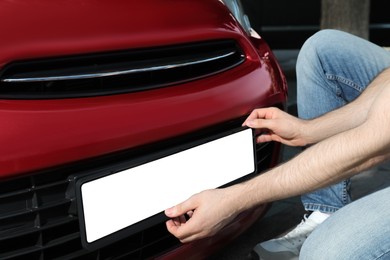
[(308, 132), (244, 196)]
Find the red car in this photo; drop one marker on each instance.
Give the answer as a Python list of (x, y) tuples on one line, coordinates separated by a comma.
[(90, 89)]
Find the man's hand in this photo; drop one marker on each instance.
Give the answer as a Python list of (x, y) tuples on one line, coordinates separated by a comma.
[(208, 212), (277, 125)]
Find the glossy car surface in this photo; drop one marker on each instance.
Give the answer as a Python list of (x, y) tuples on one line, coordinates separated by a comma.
[(65, 110)]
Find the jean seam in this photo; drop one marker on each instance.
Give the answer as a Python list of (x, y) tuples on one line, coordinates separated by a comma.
[(320, 207), (345, 192), (384, 254), (345, 81)]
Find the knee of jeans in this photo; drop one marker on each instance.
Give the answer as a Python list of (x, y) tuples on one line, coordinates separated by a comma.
[(318, 44), (312, 250), (320, 244)]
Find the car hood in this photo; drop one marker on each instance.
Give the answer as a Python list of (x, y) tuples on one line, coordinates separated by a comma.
[(39, 134), (45, 28)]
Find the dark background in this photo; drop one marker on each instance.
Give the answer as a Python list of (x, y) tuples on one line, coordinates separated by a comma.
[(286, 24)]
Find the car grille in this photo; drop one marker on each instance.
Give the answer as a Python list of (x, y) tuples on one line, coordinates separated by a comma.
[(39, 219), (117, 72)]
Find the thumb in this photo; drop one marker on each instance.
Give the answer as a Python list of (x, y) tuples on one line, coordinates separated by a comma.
[(261, 123), (180, 209)]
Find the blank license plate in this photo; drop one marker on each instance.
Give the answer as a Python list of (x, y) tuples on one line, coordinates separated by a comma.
[(122, 199)]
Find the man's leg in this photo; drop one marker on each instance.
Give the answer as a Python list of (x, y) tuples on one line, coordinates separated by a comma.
[(333, 68), (359, 230)]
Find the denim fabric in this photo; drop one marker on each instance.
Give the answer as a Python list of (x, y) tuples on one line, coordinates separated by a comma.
[(333, 68), (358, 231)]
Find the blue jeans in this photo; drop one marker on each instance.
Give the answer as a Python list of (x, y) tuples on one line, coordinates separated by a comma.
[(358, 231), (333, 68)]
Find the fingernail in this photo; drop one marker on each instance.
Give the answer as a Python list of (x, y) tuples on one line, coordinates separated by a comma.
[(169, 211), (250, 123)]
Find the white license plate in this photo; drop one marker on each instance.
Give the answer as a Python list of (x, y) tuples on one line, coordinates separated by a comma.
[(120, 200)]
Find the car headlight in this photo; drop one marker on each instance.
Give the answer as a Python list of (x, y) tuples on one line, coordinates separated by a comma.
[(237, 10)]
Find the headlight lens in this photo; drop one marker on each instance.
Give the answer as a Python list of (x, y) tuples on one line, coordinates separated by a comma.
[(237, 10)]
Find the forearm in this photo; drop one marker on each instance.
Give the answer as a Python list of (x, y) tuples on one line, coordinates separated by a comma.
[(325, 163), (348, 116)]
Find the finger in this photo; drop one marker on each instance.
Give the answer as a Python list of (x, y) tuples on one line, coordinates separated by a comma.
[(261, 124), (181, 209), (190, 213), (179, 220), (181, 232), (190, 238), (263, 138), (264, 113), (172, 226), (255, 114)]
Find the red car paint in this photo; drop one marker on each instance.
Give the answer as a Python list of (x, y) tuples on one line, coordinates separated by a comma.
[(40, 134)]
